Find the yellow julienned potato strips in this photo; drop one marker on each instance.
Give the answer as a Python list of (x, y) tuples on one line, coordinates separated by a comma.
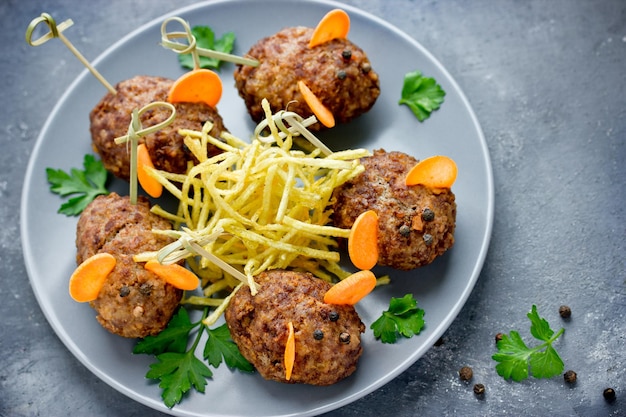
[(265, 205)]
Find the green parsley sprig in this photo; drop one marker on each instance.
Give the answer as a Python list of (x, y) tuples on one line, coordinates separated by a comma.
[(402, 318), (515, 358), (82, 185), (422, 94), (205, 38), (177, 367)]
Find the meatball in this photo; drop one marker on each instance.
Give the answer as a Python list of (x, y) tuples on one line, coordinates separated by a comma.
[(416, 223), (111, 117), (133, 302), (327, 337), (338, 72)]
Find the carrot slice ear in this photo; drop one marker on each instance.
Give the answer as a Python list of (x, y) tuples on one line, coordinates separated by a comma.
[(174, 274), (290, 351), (317, 107), (197, 86), (435, 172), (363, 240), (335, 24), (88, 279), (148, 183), (352, 289)]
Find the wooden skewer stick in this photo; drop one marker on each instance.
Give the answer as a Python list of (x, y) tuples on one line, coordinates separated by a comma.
[(56, 31), (135, 131), (167, 41)]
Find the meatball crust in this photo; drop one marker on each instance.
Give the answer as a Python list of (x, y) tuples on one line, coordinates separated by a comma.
[(133, 302), (327, 337), (112, 115), (338, 72), (416, 223)]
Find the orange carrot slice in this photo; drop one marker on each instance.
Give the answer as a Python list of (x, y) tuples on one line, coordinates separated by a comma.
[(197, 86), (89, 277), (174, 274), (317, 107), (363, 240), (290, 351), (352, 289), (148, 183), (435, 172), (335, 24)]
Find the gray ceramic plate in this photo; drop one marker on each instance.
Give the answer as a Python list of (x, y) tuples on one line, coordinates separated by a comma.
[(441, 288)]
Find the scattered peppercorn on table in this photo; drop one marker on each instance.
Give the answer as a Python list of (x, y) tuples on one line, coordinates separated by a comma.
[(546, 83)]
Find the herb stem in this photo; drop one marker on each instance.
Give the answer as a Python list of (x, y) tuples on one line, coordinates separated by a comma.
[(205, 312)]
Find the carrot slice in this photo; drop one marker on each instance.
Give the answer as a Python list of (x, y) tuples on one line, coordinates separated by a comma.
[(89, 277), (317, 107), (174, 274), (335, 24), (363, 240), (290, 351), (148, 183), (197, 86), (435, 172), (352, 289)]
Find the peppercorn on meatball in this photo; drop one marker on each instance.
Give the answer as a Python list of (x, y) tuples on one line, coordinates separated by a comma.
[(416, 223), (133, 302), (338, 72), (111, 117), (327, 337)]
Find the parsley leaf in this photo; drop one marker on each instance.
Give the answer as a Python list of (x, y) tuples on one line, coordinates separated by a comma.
[(220, 345), (177, 367), (422, 94), (205, 38), (402, 318), (178, 372), (516, 360), (83, 185), (172, 339)]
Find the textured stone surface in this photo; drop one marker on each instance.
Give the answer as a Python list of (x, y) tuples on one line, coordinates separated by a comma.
[(547, 82)]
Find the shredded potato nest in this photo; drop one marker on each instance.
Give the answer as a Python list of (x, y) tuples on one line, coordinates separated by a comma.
[(256, 206)]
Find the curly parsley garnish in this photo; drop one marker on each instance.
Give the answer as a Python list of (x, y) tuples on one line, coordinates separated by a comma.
[(402, 318), (515, 358), (422, 94), (177, 367), (205, 38), (83, 186)]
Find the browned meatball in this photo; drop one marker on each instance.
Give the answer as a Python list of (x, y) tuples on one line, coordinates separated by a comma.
[(133, 302), (327, 337), (416, 223), (111, 116), (338, 72)]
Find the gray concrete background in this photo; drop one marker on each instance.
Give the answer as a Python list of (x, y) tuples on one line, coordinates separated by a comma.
[(547, 82)]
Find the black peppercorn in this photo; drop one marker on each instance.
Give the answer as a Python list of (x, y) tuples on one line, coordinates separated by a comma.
[(333, 316), (405, 230), (569, 376), (145, 289), (466, 373), (609, 394), (428, 215), (479, 389), (124, 291), (344, 338), (428, 239), (346, 54), (318, 334), (341, 74), (565, 312)]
